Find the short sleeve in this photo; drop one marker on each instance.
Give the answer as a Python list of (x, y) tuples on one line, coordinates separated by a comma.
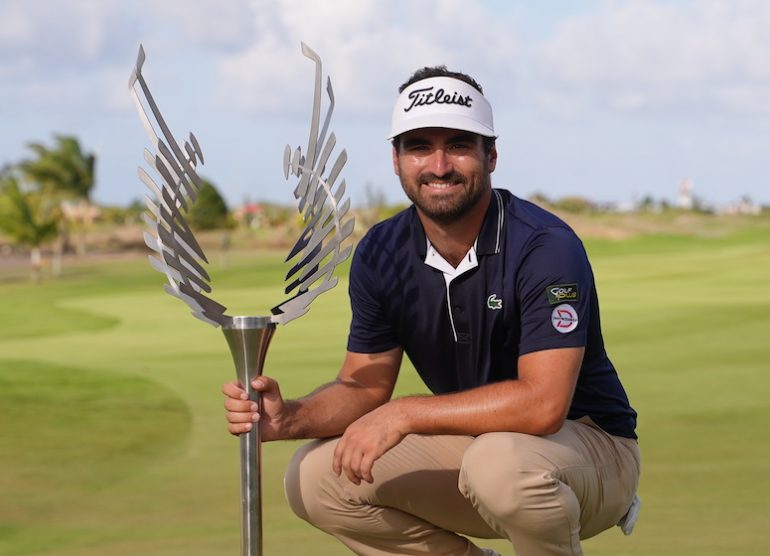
[(370, 329), (555, 288)]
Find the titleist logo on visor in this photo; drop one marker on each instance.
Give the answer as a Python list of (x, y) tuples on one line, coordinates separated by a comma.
[(443, 102), (426, 97)]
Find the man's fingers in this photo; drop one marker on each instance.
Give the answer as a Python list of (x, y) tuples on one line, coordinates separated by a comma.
[(365, 468), (239, 422), (352, 460), (242, 413), (241, 417), (337, 459), (233, 389), (360, 465), (266, 385), (350, 463), (239, 428), (341, 460), (245, 406)]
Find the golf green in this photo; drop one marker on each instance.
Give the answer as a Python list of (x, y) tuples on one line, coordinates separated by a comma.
[(113, 441)]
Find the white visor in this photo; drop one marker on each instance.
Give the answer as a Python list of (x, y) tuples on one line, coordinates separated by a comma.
[(442, 102)]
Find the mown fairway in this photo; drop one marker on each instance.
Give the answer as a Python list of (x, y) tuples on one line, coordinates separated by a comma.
[(112, 437)]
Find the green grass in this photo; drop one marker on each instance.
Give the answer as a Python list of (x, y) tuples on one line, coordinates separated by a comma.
[(112, 437), (75, 434)]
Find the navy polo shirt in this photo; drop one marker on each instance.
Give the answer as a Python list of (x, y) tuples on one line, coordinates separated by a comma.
[(532, 289)]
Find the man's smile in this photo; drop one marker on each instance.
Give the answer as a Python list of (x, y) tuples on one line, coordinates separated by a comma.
[(440, 184)]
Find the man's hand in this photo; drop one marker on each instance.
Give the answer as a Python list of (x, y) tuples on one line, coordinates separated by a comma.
[(243, 414), (366, 440)]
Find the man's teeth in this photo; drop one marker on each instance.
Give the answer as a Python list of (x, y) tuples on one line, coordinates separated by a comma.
[(439, 185)]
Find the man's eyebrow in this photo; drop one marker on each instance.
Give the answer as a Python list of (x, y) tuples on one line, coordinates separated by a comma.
[(413, 141), (464, 137), (460, 137)]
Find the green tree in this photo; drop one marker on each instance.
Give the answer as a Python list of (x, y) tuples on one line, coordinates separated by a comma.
[(209, 211), (66, 174), (28, 218), (64, 169), (540, 199), (574, 204)]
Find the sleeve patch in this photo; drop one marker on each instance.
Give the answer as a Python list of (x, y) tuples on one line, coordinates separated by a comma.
[(562, 293), (564, 318)]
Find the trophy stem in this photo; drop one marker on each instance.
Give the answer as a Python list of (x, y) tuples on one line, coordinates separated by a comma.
[(249, 338)]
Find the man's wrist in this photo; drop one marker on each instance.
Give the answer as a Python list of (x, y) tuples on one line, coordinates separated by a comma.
[(403, 413), (291, 422)]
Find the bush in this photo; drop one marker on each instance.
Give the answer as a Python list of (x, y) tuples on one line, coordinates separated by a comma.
[(209, 211), (574, 204)]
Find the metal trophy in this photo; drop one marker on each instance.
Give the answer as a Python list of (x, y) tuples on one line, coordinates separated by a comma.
[(178, 255)]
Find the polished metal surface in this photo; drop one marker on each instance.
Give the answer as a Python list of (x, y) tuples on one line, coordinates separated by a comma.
[(249, 338), (178, 255), (327, 222)]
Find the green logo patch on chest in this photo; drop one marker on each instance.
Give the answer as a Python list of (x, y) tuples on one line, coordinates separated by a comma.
[(494, 302)]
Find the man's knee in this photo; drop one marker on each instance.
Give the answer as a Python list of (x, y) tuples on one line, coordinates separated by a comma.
[(307, 478), (504, 475)]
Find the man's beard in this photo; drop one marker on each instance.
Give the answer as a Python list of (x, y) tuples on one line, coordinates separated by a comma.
[(447, 211)]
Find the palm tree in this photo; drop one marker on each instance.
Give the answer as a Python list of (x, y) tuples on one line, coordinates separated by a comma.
[(66, 173), (27, 218), (64, 169)]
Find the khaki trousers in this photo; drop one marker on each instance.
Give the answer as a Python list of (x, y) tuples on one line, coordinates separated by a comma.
[(544, 494)]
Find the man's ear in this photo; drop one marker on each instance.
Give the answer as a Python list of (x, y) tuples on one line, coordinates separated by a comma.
[(492, 158), (395, 161)]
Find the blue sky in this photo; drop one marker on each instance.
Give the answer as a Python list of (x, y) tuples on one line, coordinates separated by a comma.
[(612, 100)]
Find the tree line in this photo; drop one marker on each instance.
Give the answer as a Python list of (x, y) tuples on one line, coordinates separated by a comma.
[(37, 192), (46, 199)]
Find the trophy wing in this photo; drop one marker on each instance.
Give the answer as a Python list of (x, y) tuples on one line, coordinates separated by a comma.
[(177, 253), (323, 206)]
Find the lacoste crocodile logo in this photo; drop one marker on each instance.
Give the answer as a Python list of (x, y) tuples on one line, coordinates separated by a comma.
[(494, 303)]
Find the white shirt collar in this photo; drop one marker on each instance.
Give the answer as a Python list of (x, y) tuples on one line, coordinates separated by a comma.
[(434, 259)]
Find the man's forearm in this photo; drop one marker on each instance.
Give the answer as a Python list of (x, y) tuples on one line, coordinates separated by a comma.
[(506, 406), (328, 410), (536, 403)]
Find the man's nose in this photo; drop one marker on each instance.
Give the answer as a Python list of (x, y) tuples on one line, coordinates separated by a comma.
[(439, 163)]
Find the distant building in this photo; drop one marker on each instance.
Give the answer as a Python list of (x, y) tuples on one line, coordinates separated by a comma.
[(684, 199), (80, 211), (744, 206), (250, 215)]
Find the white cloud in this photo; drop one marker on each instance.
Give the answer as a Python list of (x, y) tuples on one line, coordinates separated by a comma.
[(638, 55), (635, 70), (227, 25), (244, 53), (52, 36), (369, 47), (62, 56)]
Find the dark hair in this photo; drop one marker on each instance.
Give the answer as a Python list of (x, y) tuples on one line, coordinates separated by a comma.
[(442, 71)]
